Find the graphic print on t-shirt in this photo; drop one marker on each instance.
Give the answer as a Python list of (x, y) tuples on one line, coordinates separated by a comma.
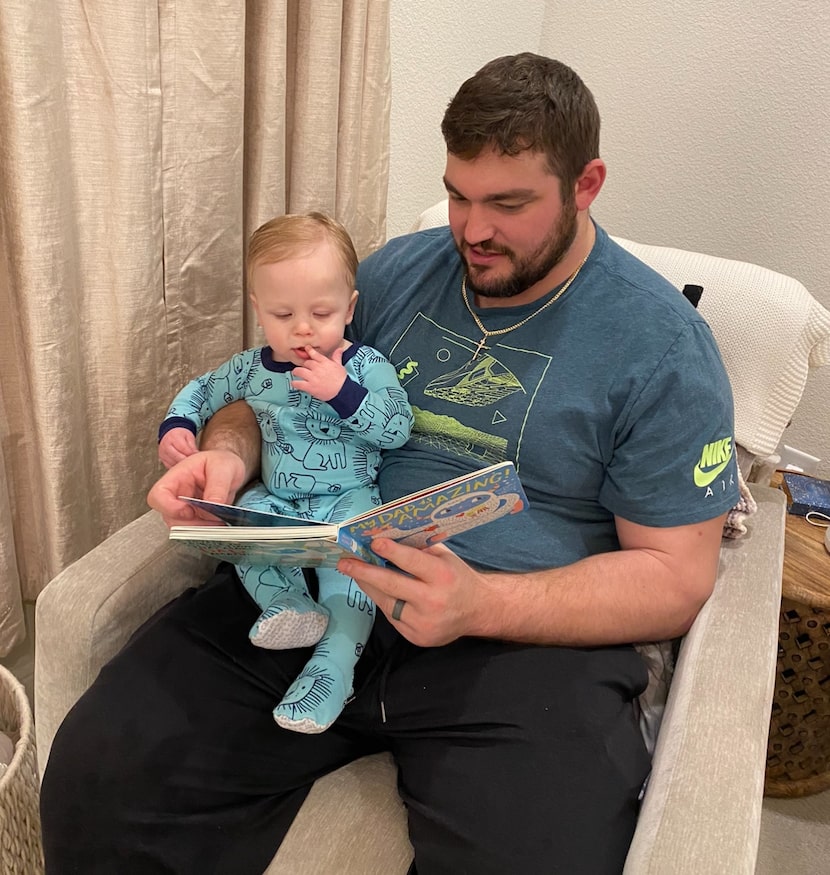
[(476, 408)]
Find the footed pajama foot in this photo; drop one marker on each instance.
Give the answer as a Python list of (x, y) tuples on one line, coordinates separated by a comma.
[(314, 701), (291, 621)]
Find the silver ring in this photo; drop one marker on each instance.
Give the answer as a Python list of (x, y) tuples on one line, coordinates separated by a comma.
[(397, 610)]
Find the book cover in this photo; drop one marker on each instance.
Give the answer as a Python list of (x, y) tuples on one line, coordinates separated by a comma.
[(807, 494), (419, 520)]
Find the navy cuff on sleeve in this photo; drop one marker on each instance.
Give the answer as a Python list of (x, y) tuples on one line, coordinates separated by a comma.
[(349, 398), (176, 422)]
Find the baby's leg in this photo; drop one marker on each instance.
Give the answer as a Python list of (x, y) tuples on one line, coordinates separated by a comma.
[(290, 617), (314, 701)]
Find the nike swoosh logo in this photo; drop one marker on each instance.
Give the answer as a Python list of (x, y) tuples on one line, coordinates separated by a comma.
[(704, 478)]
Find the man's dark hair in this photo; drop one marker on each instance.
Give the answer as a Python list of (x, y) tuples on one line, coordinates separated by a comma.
[(526, 102)]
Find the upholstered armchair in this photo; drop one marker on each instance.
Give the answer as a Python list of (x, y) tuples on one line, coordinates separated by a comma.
[(702, 809)]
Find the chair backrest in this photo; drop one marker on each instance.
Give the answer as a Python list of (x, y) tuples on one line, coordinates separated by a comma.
[(769, 328)]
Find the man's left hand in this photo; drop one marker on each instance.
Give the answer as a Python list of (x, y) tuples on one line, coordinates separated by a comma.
[(442, 594)]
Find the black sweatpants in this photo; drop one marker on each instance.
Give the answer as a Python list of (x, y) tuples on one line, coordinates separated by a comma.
[(511, 758)]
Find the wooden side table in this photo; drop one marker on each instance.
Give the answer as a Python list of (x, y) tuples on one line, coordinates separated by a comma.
[(798, 755)]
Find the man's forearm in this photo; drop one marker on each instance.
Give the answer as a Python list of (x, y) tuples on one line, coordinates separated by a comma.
[(580, 606), (235, 428), (629, 595)]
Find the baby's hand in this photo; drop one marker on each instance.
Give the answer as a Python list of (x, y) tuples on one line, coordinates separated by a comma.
[(177, 444), (321, 377)]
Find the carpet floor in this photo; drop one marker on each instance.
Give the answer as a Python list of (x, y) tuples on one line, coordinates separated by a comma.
[(795, 836)]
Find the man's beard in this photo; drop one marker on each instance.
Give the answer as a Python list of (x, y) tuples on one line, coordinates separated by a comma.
[(530, 269)]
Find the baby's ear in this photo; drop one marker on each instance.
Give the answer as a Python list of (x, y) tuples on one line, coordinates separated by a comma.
[(255, 305)]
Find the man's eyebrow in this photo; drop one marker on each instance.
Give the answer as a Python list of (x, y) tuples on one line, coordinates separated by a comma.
[(510, 194)]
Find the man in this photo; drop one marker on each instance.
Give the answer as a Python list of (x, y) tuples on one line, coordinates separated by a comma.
[(501, 675)]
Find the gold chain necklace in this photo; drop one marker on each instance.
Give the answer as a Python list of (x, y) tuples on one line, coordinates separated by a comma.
[(488, 334)]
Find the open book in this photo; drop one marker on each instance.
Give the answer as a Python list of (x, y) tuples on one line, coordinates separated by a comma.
[(419, 520)]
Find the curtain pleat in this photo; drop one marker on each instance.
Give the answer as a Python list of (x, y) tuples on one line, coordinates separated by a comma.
[(202, 148), (12, 623), (363, 122), (268, 106), (142, 143)]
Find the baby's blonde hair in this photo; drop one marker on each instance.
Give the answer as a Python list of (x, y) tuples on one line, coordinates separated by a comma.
[(293, 236)]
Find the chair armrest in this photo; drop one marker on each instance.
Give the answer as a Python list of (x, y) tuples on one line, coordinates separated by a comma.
[(86, 614), (702, 809)]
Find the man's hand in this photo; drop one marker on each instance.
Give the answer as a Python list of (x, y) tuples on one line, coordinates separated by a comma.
[(177, 444), (443, 594), (321, 377), (650, 590), (229, 458), (215, 475)]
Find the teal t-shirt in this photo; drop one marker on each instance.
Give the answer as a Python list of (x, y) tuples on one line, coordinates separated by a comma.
[(612, 401)]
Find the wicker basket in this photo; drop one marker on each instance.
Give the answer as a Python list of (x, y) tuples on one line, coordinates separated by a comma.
[(21, 852), (798, 756)]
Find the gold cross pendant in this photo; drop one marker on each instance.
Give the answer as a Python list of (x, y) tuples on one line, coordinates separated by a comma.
[(480, 347)]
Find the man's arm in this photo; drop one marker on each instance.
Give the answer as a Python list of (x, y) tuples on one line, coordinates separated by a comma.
[(228, 459), (649, 590), (234, 428)]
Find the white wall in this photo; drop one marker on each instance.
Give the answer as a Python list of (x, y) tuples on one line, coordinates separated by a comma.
[(436, 45), (716, 130), (716, 125)]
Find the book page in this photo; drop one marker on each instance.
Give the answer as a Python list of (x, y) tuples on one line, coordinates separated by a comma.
[(234, 515)]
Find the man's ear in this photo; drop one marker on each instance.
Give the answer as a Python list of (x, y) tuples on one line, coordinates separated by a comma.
[(352, 302), (589, 183)]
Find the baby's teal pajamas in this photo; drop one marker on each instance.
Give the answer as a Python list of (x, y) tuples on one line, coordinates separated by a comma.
[(319, 461)]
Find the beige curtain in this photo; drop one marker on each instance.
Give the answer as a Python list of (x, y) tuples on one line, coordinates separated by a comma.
[(140, 143)]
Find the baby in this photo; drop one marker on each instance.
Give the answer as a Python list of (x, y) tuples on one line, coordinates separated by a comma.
[(326, 407)]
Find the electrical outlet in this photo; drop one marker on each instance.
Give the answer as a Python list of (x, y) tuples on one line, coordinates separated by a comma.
[(796, 460)]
